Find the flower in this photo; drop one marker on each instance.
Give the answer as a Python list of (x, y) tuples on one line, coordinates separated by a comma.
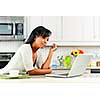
[(81, 52), (75, 53)]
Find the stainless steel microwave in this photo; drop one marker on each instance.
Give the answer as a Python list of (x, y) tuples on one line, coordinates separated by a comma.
[(11, 31), (6, 29)]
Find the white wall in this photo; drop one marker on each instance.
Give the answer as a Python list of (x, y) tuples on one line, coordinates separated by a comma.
[(10, 46), (63, 51)]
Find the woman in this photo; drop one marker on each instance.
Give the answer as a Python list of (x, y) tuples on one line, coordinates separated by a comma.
[(28, 57)]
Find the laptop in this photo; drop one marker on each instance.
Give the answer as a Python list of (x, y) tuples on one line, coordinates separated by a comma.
[(78, 68)]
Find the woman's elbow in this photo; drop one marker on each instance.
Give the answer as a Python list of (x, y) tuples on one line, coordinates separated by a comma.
[(39, 71), (50, 70)]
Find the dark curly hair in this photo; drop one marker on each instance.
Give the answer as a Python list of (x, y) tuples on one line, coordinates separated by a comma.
[(38, 31)]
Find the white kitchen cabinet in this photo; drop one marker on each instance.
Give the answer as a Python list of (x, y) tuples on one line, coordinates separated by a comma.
[(78, 28), (97, 28), (32, 22), (68, 30), (72, 28), (81, 28), (87, 27), (53, 23)]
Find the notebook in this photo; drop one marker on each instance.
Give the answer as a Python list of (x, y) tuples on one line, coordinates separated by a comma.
[(78, 68)]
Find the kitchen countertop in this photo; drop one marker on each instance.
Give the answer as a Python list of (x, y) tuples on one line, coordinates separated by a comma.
[(44, 87), (86, 78)]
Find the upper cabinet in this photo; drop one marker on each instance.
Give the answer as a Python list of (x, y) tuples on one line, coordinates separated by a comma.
[(83, 28), (30, 23), (52, 23), (87, 28), (68, 30), (72, 30)]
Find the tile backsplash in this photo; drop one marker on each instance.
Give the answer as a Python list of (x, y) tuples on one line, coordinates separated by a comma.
[(64, 51), (10, 46)]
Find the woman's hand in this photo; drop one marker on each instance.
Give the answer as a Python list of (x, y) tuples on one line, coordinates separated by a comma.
[(48, 60), (53, 47)]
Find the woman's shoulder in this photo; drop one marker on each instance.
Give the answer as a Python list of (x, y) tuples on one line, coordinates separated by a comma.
[(25, 47)]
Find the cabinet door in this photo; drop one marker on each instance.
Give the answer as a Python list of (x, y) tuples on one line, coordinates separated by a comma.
[(67, 28), (97, 28), (78, 28), (53, 23), (33, 22), (88, 25), (72, 28)]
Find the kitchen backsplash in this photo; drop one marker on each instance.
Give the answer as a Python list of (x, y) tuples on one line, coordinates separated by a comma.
[(10, 46), (65, 51)]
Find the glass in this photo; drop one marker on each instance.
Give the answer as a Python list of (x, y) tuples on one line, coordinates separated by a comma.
[(6, 28)]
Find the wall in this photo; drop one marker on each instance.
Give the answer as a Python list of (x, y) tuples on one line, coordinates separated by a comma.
[(10, 46), (65, 50)]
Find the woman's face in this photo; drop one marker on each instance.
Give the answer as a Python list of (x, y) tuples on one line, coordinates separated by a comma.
[(41, 42)]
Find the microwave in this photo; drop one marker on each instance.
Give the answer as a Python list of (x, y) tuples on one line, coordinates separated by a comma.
[(10, 31)]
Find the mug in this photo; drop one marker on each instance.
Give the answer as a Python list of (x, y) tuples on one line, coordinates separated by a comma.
[(14, 72)]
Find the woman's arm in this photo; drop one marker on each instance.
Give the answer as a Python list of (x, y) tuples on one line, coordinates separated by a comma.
[(39, 71), (46, 64), (45, 69)]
